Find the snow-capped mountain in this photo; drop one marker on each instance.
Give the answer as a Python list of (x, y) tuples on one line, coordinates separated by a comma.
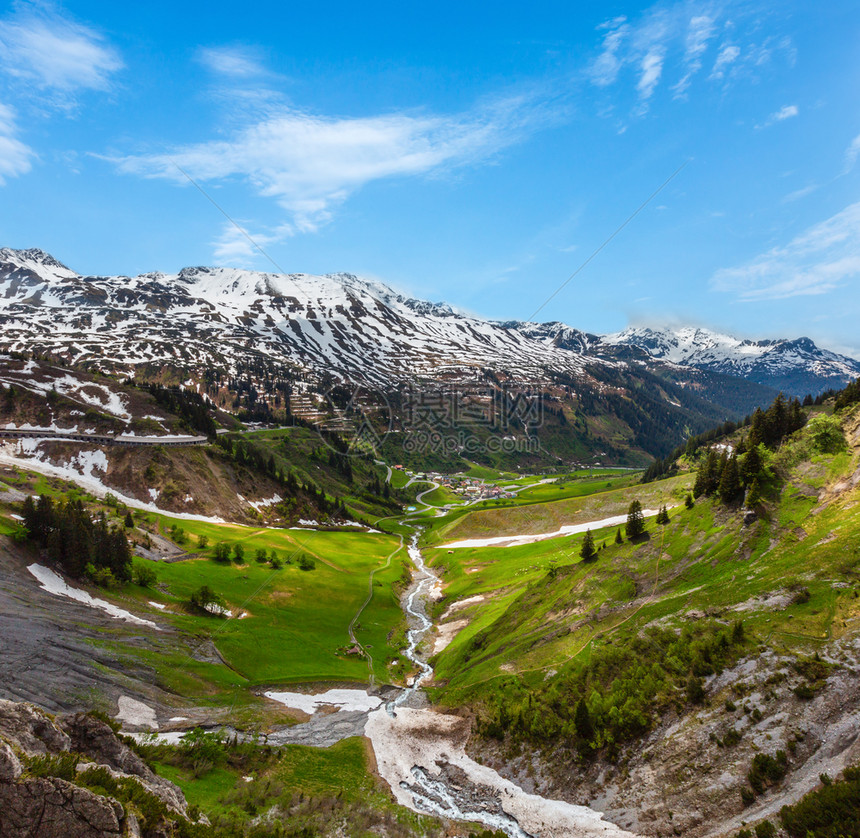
[(797, 366), (348, 328), (340, 324)]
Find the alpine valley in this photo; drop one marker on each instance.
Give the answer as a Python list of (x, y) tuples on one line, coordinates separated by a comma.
[(285, 556), (282, 345)]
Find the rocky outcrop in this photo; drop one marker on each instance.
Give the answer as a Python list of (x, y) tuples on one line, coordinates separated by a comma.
[(47, 806), (30, 729), (54, 808), (95, 739)]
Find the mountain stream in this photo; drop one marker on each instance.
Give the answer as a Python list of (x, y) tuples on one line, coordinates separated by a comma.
[(421, 753)]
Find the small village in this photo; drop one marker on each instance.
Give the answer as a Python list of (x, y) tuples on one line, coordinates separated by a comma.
[(471, 488)]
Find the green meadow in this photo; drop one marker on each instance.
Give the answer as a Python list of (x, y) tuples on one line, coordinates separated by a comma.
[(294, 623), (792, 576)]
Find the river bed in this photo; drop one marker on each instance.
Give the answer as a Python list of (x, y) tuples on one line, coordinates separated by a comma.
[(421, 754)]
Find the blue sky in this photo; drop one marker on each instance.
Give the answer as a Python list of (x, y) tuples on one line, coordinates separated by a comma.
[(469, 152)]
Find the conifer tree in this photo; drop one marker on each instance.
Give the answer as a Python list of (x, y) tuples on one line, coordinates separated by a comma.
[(754, 493), (751, 466), (582, 722), (618, 537), (587, 552), (730, 482), (688, 501), (635, 526)]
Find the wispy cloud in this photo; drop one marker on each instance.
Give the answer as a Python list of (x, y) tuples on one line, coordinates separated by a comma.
[(310, 164), (236, 62), (53, 53), (785, 112), (699, 34), (852, 153), (652, 67), (15, 156), (727, 56), (240, 247), (604, 69), (671, 41), (800, 193), (822, 258)]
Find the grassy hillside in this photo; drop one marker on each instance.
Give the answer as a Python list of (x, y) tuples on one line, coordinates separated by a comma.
[(578, 661), (545, 608)]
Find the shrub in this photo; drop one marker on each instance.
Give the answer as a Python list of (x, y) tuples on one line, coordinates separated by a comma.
[(731, 738), (695, 690), (144, 575), (202, 751), (766, 770), (202, 541), (64, 766), (100, 576), (206, 600), (306, 562), (239, 553), (222, 552), (828, 812)]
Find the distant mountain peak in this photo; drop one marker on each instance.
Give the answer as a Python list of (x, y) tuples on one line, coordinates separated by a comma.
[(354, 328)]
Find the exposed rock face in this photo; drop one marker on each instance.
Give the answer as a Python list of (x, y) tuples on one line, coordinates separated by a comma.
[(54, 808), (44, 807), (93, 738), (10, 765), (30, 729)]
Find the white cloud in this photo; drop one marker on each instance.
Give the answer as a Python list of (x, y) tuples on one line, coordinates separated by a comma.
[(652, 67), (605, 67), (822, 258), (234, 62), (800, 193), (671, 41), (852, 153), (55, 53), (727, 56), (310, 164), (701, 30), (785, 112), (15, 157), (235, 246)]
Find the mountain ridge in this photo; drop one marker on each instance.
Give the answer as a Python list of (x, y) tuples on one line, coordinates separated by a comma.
[(354, 328)]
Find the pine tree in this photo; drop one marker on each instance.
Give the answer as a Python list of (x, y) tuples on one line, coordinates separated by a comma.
[(587, 552), (688, 501), (730, 482), (618, 537), (751, 466), (756, 436), (129, 520), (582, 722), (635, 526), (754, 494), (663, 516), (31, 517)]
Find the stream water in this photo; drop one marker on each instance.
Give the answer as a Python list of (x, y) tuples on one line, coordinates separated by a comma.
[(416, 605), (421, 753)]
